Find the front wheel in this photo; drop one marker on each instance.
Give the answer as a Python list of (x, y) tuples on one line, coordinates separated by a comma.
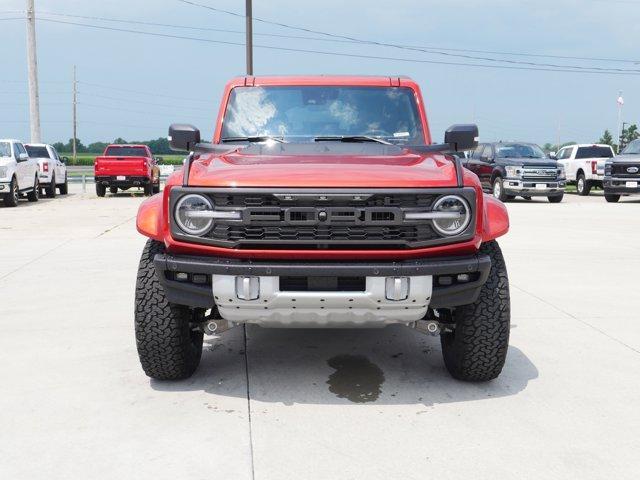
[(477, 348), (583, 186), (556, 198), (50, 191), (11, 198), (34, 195), (611, 198), (169, 347), (498, 190)]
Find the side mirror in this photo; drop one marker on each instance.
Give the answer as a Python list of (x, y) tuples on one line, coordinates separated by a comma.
[(553, 155), (462, 137), (22, 157), (64, 160), (158, 159), (183, 137)]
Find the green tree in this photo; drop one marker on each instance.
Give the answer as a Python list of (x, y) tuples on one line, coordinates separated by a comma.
[(629, 134), (606, 138)]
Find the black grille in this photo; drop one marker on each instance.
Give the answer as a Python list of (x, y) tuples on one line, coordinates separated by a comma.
[(330, 219), (620, 169)]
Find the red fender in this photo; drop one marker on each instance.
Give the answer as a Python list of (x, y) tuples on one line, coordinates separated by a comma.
[(149, 219), (496, 219)]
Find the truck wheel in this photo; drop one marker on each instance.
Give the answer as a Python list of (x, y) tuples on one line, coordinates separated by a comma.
[(113, 190), (101, 190), (51, 189), (498, 190), (583, 186), (476, 350), (168, 347), (556, 198), (156, 188), (11, 198), (148, 189), (64, 188), (611, 198), (34, 195)]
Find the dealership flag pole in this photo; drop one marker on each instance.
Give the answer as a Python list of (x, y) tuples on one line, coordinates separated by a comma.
[(620, 102), (32, 63)]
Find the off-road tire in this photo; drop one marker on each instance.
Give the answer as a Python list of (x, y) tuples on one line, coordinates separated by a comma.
[(168, 348), (555, 198), (34, 195), (583, 190), (50, 191), (101, 190), (113, 190), (64, 188), (498, 191), (477, 348), (11, 199)]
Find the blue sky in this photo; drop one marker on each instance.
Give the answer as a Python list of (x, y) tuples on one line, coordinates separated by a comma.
[(174, 80)]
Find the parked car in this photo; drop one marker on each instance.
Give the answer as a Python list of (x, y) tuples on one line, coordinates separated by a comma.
[(126, 166), (584, 165), (513, 169), (18, 173), (327, 206), (622, 173), (52, 169)]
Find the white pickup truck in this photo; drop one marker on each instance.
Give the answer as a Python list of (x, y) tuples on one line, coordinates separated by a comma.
[(52, 169), (18, 173), (584, 165)]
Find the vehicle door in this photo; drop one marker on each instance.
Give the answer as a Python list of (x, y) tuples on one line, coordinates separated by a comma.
[(566, 158), (486, 163), (472, 163), (23, 167), (60, 167)]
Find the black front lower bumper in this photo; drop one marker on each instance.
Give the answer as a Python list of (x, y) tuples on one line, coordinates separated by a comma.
[(618, 186), (444, 295)]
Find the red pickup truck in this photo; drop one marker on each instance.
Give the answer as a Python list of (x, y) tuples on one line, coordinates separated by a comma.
[(125, 166), (322, 202)]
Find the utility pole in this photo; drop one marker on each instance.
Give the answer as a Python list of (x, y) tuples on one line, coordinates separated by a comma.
[(249, 40), (75, 116), (32, 62)]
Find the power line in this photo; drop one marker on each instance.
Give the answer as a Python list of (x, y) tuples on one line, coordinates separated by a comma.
[(109, 107), (392, 45), (353, 55), (107, 87), (142, 102)]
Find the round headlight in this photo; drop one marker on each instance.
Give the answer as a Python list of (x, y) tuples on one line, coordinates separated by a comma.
[(191, 214), (456, 215)]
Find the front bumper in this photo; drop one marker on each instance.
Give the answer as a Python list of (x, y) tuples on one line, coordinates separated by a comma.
[(433, 282), (532, 188), (622, 186), (5, 187)]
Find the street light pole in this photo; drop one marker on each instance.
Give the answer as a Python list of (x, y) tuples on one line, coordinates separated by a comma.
[(32, 62), (620, 102), (249, 41), (75, 114)]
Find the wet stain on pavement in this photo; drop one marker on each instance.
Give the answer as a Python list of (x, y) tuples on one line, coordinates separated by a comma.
[(355, 378)]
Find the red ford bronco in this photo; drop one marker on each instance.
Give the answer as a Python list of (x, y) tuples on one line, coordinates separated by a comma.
[(125, 166), (322, 202)]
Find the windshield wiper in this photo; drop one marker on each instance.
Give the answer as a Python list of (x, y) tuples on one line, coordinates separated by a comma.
[(257, 138), (350, 138)]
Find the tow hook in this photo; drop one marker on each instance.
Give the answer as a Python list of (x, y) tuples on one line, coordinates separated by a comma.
[(432, 327), (216, 327)]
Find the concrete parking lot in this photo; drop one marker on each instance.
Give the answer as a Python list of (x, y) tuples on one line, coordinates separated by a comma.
[(280, 404)]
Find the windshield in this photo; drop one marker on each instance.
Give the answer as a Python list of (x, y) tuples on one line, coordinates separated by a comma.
[(37, 152), (303, 113), (125, 152), (632, 149), (594, 152), (5, 149), (519, 150)]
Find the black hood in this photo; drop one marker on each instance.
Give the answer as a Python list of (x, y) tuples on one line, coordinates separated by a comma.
[(626, 159), (523, 162)]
